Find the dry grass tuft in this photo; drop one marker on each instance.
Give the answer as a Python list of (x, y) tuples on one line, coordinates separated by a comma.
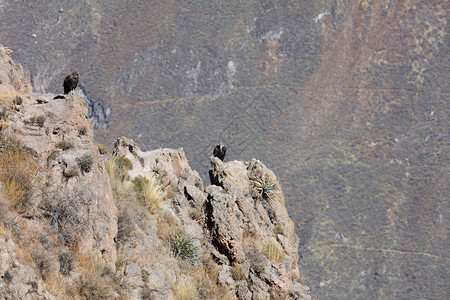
[(273, 251), (148, 193), (185, 289), (64, 145), (94, 286), (208, 287), (18, 174), (8, 98), (238, 272)]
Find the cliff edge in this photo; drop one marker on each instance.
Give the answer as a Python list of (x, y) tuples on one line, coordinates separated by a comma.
[(78, 222)]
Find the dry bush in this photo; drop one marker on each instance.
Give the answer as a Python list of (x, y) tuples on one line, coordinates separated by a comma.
[(126, 227), (196, 215), (64, 145), (18, 174), (210, 267), (207, 287), (66, 216), (98, 280), (42, 260), (94, 286), (185, 289), (254, 256), (238, 272), (273, 251), (120, 188), (85, 162)]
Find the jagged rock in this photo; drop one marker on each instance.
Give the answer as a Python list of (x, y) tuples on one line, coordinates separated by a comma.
[(12, 78), (236, 224), (241, 221)]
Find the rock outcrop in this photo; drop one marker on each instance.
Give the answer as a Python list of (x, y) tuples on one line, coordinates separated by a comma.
[(133, 224), (240, 222)]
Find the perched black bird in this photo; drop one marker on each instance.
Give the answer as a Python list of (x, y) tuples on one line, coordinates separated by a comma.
[(70, 82), (219, 151)]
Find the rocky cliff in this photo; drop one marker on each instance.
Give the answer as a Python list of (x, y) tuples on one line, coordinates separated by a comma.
[(345, 100), (76, 222)]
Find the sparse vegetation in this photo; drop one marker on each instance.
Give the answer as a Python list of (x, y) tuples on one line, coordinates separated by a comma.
[(273, 252), (85, 162), (156, 170), (264, 186), (18, 172), (64, 145), (167, 226), (18, 100), (183, 246), (8, 98)]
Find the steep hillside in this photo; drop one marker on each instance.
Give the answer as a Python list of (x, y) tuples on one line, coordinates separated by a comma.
[(346, 100), (76, 223)]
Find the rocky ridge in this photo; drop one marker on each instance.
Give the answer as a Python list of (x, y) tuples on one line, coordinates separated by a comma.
[(133, 224)]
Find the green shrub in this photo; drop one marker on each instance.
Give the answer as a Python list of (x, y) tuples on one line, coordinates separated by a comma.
[(182, 246), (264, 186), (85, 162)]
